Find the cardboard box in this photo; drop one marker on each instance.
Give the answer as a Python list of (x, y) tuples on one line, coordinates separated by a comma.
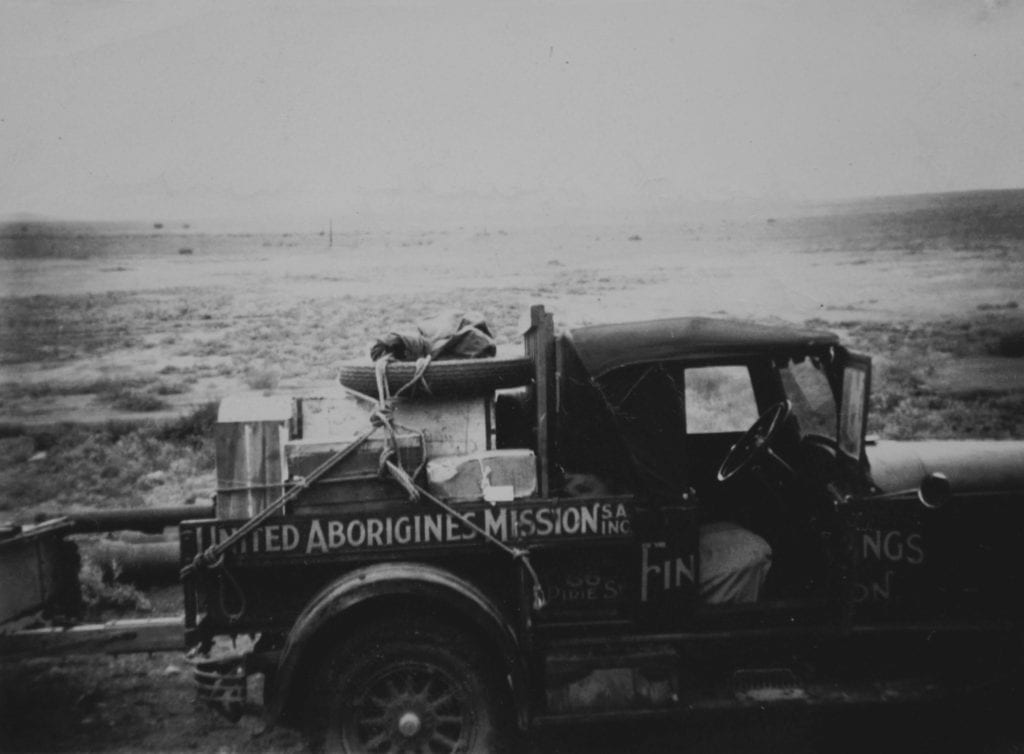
[(494, 475)]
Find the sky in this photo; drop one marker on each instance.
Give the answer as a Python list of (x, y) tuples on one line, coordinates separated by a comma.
[(132, 110)]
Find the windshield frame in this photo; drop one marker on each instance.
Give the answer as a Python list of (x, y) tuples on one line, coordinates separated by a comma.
[(815, 405), (855, 384)]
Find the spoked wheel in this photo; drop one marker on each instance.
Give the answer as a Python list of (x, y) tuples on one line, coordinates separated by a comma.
[(413, 707), (408, 690)]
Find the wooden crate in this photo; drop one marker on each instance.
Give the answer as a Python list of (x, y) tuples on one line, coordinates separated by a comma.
[(452, 426), (355, 479), (38, 568), (249, 440), (250, 466)]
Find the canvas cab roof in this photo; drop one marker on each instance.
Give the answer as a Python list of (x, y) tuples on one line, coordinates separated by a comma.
[(603, 348)]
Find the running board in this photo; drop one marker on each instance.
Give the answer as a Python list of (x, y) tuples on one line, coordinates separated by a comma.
[(766, 688)]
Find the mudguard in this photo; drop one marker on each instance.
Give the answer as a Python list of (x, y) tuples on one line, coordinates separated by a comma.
[(420, 580)]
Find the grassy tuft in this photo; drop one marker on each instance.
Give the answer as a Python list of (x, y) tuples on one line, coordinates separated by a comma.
[(978, 415), (135, 400), (101, 591), (263, 379), (194, 430)]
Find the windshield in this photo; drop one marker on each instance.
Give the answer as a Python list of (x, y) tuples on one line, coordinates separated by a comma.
[(808, 389)]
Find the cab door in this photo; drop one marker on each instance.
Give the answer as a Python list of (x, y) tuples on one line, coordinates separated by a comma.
[(895, 546), (620, 442), (914, 558), (864, 580), (647, 404)]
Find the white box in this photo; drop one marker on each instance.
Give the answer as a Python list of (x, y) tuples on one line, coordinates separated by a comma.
[(494, 475)]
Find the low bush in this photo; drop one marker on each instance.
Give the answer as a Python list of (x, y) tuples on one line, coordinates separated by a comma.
[(102, 592), (262, 379), (195, 429), (103, 467)]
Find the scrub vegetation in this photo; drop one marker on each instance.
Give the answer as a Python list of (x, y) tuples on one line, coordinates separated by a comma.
[(115, 347), (45, 472), (944, 379), (111, 340)]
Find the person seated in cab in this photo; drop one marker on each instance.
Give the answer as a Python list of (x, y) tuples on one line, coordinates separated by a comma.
[(734, 561)]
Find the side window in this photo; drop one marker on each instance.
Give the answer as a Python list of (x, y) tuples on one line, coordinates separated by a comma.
[(719, 399)]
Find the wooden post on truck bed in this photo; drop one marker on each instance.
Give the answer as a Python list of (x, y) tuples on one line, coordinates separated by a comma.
[(540, 346)]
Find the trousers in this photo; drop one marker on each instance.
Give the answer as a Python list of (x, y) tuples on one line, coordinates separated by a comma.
[(734, 563)]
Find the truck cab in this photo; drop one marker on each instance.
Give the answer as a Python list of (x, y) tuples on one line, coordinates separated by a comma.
[(661, 517)]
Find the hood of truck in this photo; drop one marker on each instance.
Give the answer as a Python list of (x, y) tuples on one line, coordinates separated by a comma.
[(970, 465)]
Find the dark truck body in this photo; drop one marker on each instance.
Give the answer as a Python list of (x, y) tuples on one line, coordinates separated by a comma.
[(880, 589)]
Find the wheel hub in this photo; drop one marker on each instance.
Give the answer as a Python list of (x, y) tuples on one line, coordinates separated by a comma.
[(409, 724)]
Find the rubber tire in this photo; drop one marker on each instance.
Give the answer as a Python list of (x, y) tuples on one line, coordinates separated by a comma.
[(444, 379), (355, 667)]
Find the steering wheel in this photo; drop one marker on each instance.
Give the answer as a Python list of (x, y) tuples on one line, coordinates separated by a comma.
[(755, 441)]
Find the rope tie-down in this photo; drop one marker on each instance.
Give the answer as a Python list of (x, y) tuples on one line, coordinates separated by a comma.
[(212, 559)]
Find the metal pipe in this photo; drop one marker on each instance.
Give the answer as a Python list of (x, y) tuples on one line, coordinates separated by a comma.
[(150, 520), (143, 564)]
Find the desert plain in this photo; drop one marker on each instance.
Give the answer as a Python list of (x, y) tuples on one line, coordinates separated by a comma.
[(117, 339)]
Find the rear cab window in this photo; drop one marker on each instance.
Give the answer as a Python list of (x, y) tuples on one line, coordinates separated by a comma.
[(719, 399)]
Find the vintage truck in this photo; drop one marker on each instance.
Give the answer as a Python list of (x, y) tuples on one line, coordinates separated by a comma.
[(455, 552)]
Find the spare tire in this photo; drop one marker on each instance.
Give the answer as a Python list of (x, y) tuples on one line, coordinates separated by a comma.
[(443, 379)]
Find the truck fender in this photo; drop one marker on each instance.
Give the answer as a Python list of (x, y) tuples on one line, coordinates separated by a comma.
[(419, 580)]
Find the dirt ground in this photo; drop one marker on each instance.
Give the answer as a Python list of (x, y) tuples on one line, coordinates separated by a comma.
[(133, 315), (136, 703)]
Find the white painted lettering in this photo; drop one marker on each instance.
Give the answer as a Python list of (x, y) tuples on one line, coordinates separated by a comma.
[(571, 520), (915, 549), (892, 545), (335, 534), (496, 522), (872, 543), (544, 523), (403, 530), (588, 520), (684, 571), (374, 532), (452, 529), (356, 533), (316, 538), (648, 569), (273, 538), (525, 525), (882, 590), (433, 529)]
